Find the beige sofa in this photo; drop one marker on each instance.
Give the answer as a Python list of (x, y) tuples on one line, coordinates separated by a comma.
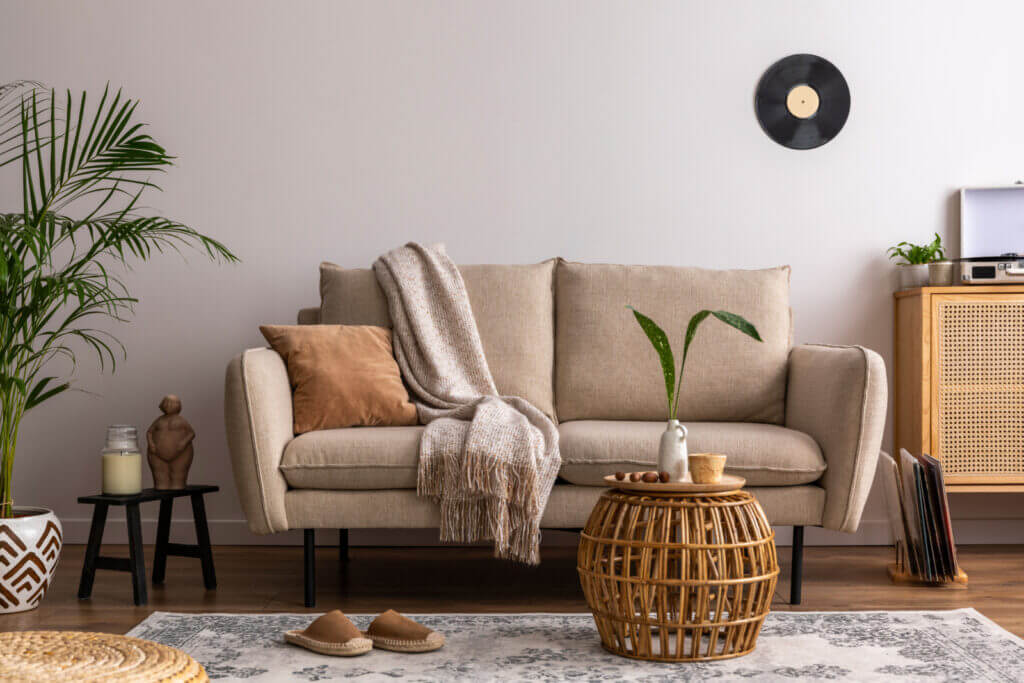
[(803, 424)]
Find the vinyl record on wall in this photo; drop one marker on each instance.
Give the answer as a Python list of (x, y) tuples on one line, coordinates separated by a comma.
[(802, 101)]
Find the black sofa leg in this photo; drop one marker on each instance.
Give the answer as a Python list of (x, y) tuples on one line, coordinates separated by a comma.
[(797, 574), (309, 560), (343, 545)]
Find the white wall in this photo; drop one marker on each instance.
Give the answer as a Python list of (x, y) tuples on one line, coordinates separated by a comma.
[(513, 131)]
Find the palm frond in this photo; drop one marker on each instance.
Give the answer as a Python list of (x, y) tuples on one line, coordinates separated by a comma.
[(59, 272), (11, 97)]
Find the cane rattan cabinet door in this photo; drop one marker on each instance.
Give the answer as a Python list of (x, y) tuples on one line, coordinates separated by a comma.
[(977, 386)]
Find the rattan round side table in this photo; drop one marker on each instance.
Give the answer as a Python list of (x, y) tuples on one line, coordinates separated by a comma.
[(678, 577), (91, 658)]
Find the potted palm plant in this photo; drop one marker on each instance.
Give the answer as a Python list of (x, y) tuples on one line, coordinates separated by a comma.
[(82, 172), (672, 451)]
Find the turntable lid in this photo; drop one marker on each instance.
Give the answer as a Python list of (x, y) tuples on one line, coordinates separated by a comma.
[(991, 221)]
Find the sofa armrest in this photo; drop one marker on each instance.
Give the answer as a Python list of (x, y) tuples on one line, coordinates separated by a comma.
[(838, 395), (258, 418)]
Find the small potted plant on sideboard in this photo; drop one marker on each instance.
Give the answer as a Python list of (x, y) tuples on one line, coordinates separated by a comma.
[(918, 260), (82, 171)]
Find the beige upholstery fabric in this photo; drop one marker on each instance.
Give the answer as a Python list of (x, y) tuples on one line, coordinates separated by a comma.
[(356, 458), (792, 505), (835, 395), (513, 306), (766, 455), (605, 367), (258, 418), (308, 316), (351, 296), (568, 508), (838, 395), (386, 457)]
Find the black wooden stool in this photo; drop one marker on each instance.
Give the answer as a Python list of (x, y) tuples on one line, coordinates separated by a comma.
[(136, 563)]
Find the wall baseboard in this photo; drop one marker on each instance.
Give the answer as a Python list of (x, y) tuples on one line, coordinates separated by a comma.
[(236, 532)]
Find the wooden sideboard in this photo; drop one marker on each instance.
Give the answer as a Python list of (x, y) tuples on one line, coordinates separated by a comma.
[(959, 382)]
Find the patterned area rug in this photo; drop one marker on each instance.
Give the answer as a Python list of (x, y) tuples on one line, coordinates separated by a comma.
[(955, 645)]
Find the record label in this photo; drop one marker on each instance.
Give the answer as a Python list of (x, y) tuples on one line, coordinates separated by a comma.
[(802, 101)]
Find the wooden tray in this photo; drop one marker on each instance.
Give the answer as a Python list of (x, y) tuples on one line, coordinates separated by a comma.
[(729, 483)]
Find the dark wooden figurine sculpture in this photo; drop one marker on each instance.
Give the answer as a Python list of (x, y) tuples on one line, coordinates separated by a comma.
[(169, 441)]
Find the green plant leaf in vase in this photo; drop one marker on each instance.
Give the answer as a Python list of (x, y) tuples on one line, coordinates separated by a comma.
[(659, 340)]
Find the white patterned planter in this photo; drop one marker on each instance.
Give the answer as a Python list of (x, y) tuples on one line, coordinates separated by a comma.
[(29, 549)]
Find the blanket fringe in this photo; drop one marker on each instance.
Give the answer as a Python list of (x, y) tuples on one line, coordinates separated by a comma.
[(514, 531)]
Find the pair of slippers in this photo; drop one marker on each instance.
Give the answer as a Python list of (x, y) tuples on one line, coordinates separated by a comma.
[(335, 634)]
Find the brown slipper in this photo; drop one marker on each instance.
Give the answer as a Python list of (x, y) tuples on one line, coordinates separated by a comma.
[(331, 634), (392, 631)]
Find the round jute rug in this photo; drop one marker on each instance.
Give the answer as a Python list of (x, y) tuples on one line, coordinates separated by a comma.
[(77, 656)]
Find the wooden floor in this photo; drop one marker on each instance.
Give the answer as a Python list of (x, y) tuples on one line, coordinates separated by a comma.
[(269, 579)]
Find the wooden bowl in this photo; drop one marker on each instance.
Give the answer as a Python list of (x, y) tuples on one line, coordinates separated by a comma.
[(707, 468)]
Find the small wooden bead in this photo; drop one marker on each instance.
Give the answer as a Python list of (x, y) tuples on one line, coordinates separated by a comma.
[(620, 475), (634, 476), (663, 476), (650, 477)]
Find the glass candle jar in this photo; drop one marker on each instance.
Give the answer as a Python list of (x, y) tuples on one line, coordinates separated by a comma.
[(122, 462)]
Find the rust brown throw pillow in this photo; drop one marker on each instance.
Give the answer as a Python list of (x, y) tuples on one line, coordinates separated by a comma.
[(341, 376)]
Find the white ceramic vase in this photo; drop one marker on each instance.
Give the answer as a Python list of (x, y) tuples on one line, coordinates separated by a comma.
[(30, 545), (913, 276), (672, 454)]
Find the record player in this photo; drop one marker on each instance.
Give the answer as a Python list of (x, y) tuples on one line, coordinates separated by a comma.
[(1007, 269), (992, 235)]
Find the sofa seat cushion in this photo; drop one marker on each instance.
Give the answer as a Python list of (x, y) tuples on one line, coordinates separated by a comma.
[(606, 369), (766, 455), (514, 310), (353, 459), (361, 458)]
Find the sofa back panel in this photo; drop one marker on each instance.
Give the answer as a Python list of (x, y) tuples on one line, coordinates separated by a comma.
[(605, 368), (351, 296), (514, 310), (308, 316)]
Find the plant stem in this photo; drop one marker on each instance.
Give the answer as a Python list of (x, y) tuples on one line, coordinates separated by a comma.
[(11, 420), (674, 406)]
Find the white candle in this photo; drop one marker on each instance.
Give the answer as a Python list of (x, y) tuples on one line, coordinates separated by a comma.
[(122, 474)]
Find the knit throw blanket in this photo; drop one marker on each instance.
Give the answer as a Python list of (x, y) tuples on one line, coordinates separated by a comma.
[(489, 461)]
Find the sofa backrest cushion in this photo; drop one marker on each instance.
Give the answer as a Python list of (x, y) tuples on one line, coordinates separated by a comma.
[(605, 368), (514, 310)]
